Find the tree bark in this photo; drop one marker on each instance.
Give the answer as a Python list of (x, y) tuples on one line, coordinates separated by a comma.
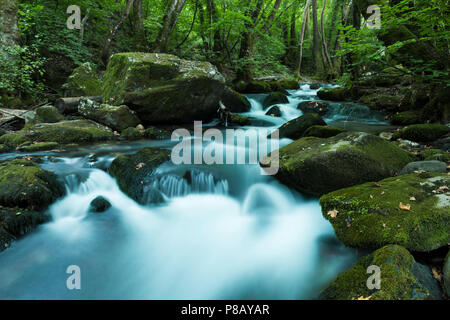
[(302, 36), (169, 22), (318, 64), (325, 52)]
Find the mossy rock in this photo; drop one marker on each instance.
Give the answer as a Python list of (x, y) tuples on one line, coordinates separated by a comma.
[(322, 131), (99, 205), (23, 184), (274, 112), (17, 222), (275, 98), (435, 154), (240, 120), (402, 278), (64, 132), (319, 107), (317, 166), (115, 117), (162, 88), (382, 101), (422, 132), (131, 134), (155, 133), (4, 148), (84, 81), (405, 118), (40, 146), (132, 171), (334, 94), (296, 128), (235, 101), (370, 215), (48, 114)]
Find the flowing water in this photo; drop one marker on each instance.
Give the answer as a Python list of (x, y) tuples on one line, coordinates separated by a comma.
[(224, 232)]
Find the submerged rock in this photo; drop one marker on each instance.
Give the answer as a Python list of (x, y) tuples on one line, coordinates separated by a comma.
[(429, 166), (84, 81), (163, 88), (296, 128), (131, 171), (422, 132), (275, 98), (65, 132), (99, 205), (115, 117), (317, 166), (402, 278), (410, 210)]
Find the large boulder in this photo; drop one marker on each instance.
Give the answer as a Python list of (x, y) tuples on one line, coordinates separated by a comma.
[(410, 210), (163, 88), (115, 117), (402, 278), (317, 166), (64, 132), (133, 171), (422, 132), (84, 81), (334, 94), (235, 101), (296, 128)]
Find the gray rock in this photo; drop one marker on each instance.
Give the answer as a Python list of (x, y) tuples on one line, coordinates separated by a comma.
[(99, 205), (429, 166)]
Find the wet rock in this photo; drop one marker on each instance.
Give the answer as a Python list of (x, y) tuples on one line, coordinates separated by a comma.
[(266, 86), (163, 88), (428, 166), (405, 118), (155, 133), (235, 101), (402, 278), (132, 171), (131, 134), (240, 120), (39, 146), (422, 132), (84, 81), (322, 131), (115, 117), (99, 205), (319, 107), (275, 98), (48, 114), (315, 86), (411, 210), (317, 166), (382, 101), (334, 94), (274, 112), (295, 129)]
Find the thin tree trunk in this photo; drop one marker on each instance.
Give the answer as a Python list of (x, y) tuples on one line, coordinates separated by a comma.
[(325, 52), (316, 41), (302, 36), (169, 22)]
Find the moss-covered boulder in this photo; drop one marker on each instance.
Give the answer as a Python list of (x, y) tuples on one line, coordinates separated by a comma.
[(275, 111), (48, 114), (334, 94), (155, 133), (410, 210), (4, 148), (446, 274), (319, 107), (115, 117), (317, 166), (322, 131), (132, 134), (163, 88), (39, 146), (235, 101), (64, 132), (133, 171), (435, 154), (275, 98), (406, 118), (402, 278), (23, 184), (240, 120), (84, 81), (422, 132), (296, 128), (382, 101)]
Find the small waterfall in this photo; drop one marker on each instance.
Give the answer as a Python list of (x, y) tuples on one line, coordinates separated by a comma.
[(350, 111)]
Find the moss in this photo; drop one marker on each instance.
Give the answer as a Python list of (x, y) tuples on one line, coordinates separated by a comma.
[(40, 146), (405, 118), (317, 166), (14, 139), (296, 128), (131, 170), (382, 101), (240, 120), (400, 279), (422, 132), (370, 217), (275, 98), (4, 148), (84, 81), (235, 101), (322, 131), (24, 184), (435, 154), (157, 134), (335, 94), (49, 114), (131, 134)]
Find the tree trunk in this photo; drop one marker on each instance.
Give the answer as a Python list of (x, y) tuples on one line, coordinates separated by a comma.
[(169, 22), (138, 24), (325, 52), (8, 24), (318, 64), (302, 36)]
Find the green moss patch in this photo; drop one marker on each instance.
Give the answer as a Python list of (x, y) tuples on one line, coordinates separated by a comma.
[(422, 132)]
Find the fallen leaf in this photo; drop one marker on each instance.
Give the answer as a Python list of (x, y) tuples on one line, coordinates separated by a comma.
[(436, 274), (375, 184), (412, 199), (333, 213), (404, 207)]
